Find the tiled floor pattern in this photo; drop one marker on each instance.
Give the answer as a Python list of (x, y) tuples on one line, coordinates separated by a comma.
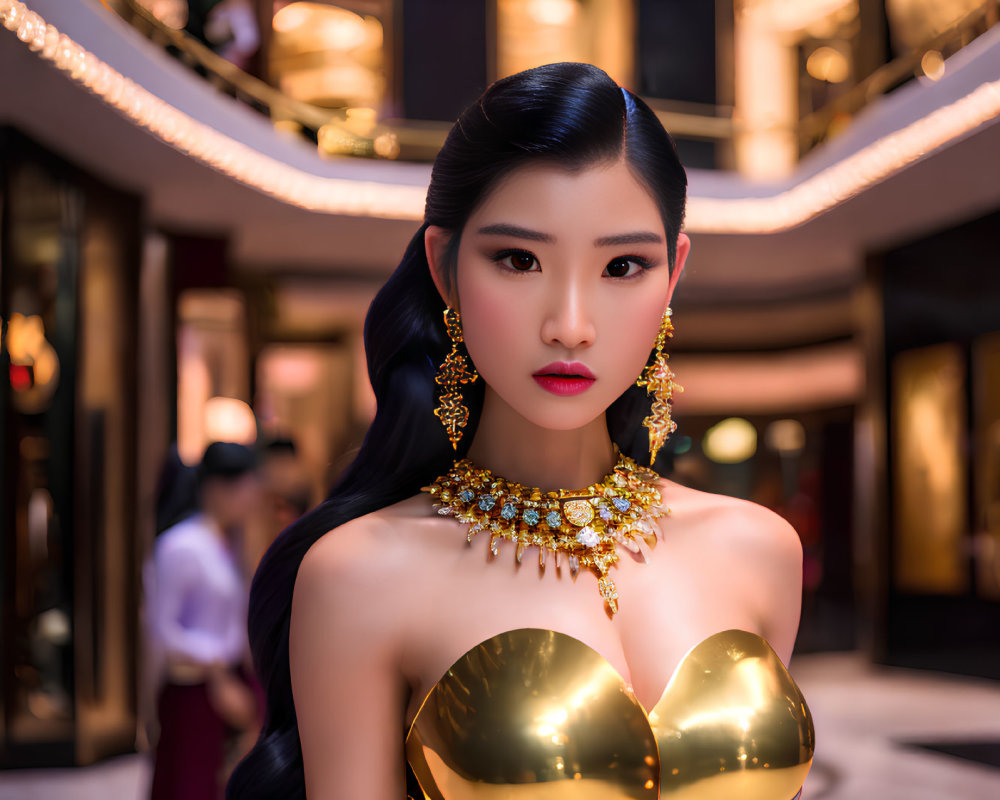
[(863, 716)]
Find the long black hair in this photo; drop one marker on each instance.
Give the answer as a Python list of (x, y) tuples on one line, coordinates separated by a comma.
[(571, 115)]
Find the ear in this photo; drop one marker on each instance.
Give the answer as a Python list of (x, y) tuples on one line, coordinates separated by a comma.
[(683, 248), (436, 240)]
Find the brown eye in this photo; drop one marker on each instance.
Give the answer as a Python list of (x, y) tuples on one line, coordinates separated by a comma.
[(517, 260), (623, 268)]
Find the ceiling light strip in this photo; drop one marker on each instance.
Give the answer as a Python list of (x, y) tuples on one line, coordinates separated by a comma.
[(201, 141), (849, 176), (791, 208)]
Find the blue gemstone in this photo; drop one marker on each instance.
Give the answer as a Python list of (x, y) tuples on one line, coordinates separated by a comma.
[(621, 503), (509, 511), (466, 495), (487, 501), (552, 519), (531, 516)]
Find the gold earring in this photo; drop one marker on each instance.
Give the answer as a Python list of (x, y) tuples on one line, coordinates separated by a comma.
[(658, 379), (452, 373)]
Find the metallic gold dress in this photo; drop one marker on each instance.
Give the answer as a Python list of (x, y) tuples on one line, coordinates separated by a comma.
[(539, 715)]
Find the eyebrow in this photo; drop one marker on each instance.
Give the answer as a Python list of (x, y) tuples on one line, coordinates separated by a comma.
[(638, 237), (506, 229)]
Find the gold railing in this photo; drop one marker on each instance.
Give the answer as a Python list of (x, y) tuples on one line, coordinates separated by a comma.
[(334, 130), (821, 124), (337, 134)]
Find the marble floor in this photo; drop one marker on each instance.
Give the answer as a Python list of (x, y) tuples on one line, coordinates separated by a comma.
[(866, 721)]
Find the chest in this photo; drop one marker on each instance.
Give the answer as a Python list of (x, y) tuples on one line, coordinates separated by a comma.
[(668, 603)]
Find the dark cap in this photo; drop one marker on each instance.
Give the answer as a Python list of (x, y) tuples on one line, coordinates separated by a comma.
[(226, 460)]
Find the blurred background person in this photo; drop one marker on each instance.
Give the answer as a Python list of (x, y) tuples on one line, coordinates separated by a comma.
[(196, 596), (286, 493), (229, 27)]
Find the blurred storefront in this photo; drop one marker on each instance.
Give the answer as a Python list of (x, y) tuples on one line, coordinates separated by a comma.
[(195, 263), (936, 399), (68, 427)]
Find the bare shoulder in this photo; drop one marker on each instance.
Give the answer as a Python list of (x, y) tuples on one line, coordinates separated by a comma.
[(758, 553), (349, 615), (366, 553), (745, 528)]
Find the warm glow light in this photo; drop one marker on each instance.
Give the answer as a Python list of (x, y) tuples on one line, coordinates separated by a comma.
[(932, 65), (731, 441), (229, 420), (553, 12), (34, 365), (791, 208), (787, 436), (172, 13), (25, 337), (361, 115), (338, 28), (328, 56), (295, 370), (28, 347), (291, 17), (827, 64)]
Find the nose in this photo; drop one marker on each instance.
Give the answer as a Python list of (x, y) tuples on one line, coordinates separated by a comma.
[(567, 321)]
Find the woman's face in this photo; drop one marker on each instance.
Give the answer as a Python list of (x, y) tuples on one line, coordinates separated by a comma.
[(562, 280)]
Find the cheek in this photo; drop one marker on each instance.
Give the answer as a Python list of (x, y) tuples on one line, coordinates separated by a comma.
[(629, 336), (494, 324)]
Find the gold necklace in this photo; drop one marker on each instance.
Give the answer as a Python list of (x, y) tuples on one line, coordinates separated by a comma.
[(584, 525)]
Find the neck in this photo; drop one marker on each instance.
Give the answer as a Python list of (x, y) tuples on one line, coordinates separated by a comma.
[(509, 445)]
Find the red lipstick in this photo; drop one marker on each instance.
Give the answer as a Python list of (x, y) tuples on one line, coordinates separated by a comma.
[(564, 377)]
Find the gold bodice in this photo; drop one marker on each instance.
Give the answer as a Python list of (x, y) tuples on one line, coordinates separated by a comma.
[(539, 715)]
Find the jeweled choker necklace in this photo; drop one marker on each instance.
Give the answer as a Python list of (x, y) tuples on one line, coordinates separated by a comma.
[(584, 526)]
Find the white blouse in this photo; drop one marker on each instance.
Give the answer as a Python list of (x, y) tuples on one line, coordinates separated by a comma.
[(197, 598)]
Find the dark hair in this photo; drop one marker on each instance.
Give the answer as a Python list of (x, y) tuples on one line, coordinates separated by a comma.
[(572, 115), (176, 491), (226, 460)]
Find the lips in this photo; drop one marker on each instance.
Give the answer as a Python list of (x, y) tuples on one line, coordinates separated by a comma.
[(567, 369), (564, 377)]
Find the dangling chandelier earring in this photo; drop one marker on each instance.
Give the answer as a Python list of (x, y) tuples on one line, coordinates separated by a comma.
[(452, 373), (658, 379)]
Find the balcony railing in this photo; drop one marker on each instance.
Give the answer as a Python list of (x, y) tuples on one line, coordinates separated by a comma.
[(338, 131)]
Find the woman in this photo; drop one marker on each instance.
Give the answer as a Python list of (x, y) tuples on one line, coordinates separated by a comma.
[(552, 246), (196, 596)]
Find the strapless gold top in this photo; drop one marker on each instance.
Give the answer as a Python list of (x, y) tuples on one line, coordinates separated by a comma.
[(539, 715)]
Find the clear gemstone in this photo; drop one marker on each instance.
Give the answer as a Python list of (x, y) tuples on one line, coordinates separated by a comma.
[(574, 564), (486, 502), (509, 511), (552, 519), (531, 517), (621, 504), (466, 495), (605, 513), (587, 537)]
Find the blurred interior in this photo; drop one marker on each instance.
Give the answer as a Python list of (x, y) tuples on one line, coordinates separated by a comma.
[(212, 229)]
